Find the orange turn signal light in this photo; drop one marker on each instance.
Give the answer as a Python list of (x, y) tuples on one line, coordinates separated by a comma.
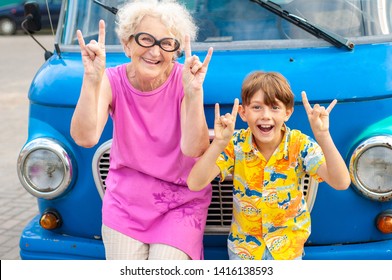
[(384, 222), (50, 220)]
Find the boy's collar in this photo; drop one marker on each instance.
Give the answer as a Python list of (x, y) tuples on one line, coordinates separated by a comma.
[(249, 144), (285, 141)]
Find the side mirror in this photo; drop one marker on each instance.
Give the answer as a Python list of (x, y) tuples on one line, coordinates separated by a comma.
[(32, 16), (32, 23)]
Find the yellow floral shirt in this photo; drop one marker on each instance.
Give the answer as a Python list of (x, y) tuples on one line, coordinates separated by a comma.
[(269, 208)]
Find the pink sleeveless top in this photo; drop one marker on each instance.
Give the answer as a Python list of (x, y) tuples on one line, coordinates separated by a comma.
[(146, 193)]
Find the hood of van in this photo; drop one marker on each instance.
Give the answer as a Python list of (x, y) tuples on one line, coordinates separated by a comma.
[(324, 73)]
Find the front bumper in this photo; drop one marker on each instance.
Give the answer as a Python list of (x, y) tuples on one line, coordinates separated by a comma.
[(39, 244), (378, 250)]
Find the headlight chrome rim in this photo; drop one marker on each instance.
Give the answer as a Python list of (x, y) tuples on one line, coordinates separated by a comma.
[(381, 141), (54, 147)]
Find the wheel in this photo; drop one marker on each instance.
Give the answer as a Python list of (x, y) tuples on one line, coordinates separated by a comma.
[(7, 26)]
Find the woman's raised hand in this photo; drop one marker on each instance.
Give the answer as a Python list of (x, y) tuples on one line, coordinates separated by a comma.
[(194, 71), (93, 54)]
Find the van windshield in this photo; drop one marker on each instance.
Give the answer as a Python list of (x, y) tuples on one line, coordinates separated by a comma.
[(244, 20)]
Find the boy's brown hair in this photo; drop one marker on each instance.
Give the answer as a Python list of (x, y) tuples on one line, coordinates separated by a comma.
[(274, 86)]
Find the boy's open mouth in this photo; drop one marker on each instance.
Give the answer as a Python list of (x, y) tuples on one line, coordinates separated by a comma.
[(265, 128)]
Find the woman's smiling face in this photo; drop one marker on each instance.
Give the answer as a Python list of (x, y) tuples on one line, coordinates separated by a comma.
[(265, 121), (151, 63)]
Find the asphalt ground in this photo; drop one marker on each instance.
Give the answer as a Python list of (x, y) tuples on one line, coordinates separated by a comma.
[(20, 58)]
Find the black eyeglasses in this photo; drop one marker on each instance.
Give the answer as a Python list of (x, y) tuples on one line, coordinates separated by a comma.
[(146, 40)]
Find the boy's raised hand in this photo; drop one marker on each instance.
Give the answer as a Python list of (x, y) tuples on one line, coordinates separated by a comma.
[(93, 54), (224, 125), (318, 115), (194, 71)]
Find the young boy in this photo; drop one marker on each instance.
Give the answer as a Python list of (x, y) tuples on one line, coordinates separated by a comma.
[(267, 161)]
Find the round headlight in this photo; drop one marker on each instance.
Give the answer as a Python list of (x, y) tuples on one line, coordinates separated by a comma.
[(44, 168), (371, 168)]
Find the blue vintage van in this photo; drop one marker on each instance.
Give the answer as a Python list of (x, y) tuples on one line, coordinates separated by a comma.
[(330, 48)]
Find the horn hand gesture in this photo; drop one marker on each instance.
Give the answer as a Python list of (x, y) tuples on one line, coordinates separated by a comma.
[(93, 54), (318, 115), (224, 125), (194, 71)]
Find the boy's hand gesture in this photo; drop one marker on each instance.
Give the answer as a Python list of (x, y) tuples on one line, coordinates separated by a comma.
[(194, 71), (224, 125), (93, 54), (318, 115)]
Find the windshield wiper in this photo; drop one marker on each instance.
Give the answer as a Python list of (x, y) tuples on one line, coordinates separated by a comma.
[(113, 10), (311, 28)]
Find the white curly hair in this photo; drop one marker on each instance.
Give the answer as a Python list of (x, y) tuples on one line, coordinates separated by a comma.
[(172, 14)]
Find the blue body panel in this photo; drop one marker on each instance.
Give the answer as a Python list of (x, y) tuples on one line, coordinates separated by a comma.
[(325, 73)]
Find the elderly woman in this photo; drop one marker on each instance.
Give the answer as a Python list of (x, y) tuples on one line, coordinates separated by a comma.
[(156, 105)]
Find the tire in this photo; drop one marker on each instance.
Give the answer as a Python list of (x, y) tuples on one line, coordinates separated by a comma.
[(7, 26)]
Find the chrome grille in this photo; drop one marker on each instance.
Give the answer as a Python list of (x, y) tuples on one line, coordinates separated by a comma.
[(221, 207), (103, 167)]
